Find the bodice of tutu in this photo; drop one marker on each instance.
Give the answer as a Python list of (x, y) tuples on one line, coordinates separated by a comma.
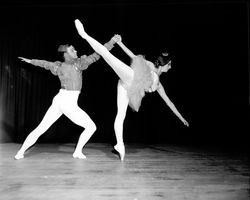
[(141, 83)]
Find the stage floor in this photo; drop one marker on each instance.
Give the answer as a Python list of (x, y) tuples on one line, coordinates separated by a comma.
[(149, 172)]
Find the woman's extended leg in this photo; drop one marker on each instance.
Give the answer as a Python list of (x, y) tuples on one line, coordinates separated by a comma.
[(49, 118), (122, 104), (125, 72)]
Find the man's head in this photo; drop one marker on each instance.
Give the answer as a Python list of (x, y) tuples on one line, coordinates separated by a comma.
[(68, 51)]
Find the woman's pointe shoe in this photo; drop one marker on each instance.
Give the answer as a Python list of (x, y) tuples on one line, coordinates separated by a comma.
[(80, 28), (79, 155), (121, 150), (19, 156)]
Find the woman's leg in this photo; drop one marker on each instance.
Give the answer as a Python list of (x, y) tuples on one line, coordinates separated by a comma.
[(122, 105), (81, 118), (125, 72), (52, 114)]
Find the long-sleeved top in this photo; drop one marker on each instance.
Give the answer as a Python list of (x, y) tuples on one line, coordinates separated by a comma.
[(70, 73)]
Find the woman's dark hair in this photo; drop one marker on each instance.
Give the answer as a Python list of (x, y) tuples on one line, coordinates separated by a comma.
[(162, 59)]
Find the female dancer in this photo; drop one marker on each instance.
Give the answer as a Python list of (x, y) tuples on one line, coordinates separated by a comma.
[(141, 77), (69, 73)]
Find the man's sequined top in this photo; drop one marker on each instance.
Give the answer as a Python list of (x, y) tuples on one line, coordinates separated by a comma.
[(70, 73)]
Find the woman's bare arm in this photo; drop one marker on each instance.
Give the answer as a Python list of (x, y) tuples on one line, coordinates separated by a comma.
[(164, 96), (124, 48)]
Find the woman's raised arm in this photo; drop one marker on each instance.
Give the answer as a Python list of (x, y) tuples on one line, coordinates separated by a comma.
[(124, 48)]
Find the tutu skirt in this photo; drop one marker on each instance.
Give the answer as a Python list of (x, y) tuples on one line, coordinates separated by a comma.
[(141, 83)]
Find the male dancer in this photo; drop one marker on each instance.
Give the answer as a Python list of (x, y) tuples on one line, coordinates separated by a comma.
[(69, 73)]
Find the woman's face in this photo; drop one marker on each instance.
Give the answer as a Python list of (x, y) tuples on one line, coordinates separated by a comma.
[(166, 67)]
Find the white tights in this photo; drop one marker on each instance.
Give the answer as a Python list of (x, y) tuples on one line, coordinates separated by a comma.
[(65, 102), (122, 105), (125, 73)]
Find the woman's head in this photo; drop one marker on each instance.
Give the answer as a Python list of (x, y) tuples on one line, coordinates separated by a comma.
[(163, 62), (163, 59)]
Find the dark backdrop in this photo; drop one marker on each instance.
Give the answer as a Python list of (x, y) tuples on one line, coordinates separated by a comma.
[(208, 82)]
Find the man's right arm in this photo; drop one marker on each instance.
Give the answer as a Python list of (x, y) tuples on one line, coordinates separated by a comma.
[(52, 66)]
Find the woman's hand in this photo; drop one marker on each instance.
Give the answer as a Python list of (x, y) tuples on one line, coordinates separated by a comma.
[(185, 122), (117, 38)]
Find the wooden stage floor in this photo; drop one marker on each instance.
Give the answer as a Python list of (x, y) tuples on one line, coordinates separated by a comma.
[(149, 172)]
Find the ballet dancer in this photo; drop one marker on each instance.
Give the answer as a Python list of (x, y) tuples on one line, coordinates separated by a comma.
[(141, 77), (69, 73)]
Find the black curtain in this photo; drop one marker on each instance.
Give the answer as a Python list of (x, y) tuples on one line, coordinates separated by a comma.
[(208, 81)]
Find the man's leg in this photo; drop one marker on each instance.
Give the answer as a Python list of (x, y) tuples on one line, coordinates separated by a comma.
[(81, 118), (52, 114)]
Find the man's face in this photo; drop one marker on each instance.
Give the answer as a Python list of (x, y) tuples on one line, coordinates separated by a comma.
[(72, 52)]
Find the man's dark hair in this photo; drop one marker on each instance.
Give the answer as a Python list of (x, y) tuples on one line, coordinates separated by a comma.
[(63, 48)]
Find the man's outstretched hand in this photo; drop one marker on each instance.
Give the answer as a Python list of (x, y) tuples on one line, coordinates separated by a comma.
[(25, 59)]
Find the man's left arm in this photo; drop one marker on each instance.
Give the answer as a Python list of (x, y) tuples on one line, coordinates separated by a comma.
[(88, 60)]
